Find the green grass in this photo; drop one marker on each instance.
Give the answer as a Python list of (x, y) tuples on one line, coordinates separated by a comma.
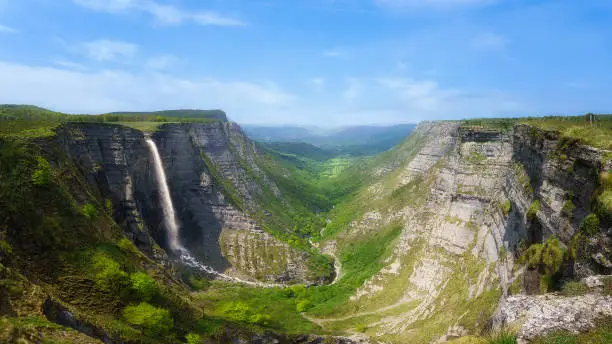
[(574, 288), (601, 333), (360, 259), (574, 128)]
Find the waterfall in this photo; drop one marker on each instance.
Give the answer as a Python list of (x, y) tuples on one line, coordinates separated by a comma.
[(173, 229), (169, 217)]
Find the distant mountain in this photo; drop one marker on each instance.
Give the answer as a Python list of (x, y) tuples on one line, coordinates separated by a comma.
[(353, 140), (278, 134), (302, 149)]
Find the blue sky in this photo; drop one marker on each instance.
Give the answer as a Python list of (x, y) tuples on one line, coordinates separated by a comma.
[(324, 62)]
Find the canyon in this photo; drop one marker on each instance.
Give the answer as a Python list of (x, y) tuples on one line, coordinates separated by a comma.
[(435, 242)]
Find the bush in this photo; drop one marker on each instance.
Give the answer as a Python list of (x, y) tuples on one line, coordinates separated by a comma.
[(240, 311), (568, 208), (42, 175), (193, 338), (108, 205), (127, 246), (302, 306), (361, 328), (552, 255), (109, 275), (90, 211), (533, 209), (574, 288), (590, 225), (154, 321), (504, 336), (546, 283), (144, 286), (533, 256), (507, 207)]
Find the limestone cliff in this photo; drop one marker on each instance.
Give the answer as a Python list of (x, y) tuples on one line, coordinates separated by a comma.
[(462, 195), (215, 183)]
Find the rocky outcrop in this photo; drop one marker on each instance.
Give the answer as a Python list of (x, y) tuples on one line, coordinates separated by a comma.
[(538, 315)]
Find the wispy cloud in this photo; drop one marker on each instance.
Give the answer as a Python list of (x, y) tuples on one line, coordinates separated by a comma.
[(107, 50), (161, 62), (164, 14), (7, 29), (108, 90), (488, 41), (69, 64)]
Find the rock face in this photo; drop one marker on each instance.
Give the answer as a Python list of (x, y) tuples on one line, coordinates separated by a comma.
[(455, 257), (215, 183), (544, 314), (563, 176), (115, 160)]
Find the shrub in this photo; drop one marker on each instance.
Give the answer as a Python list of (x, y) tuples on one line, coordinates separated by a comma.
[(90, 211), (154, 321), (546, 283), (361, 328), (533, 209), (143, 285), (507, 207), (193, 338), (42, 175), (127, 246), (198, 283), (260, 319), (302, 306), (590, 225), (109, 275), (552, 255), (5, 247), (108, 205), (574, 288), (504, 336), (533, 256), (240, 311), (568, 208)]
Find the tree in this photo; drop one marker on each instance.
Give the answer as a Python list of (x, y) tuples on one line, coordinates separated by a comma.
[(154, 321)]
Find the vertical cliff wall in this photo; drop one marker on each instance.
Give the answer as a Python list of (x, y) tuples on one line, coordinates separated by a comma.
[(215, 182)]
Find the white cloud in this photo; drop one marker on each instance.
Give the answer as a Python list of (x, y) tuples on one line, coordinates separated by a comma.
[(103, 91), (107, 50), (489, 41), (69, 64), (161, 62), (6, 29), (164, 14), (427, 99)]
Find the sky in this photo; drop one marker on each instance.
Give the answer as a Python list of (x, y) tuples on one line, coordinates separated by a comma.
[(310, 62)]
